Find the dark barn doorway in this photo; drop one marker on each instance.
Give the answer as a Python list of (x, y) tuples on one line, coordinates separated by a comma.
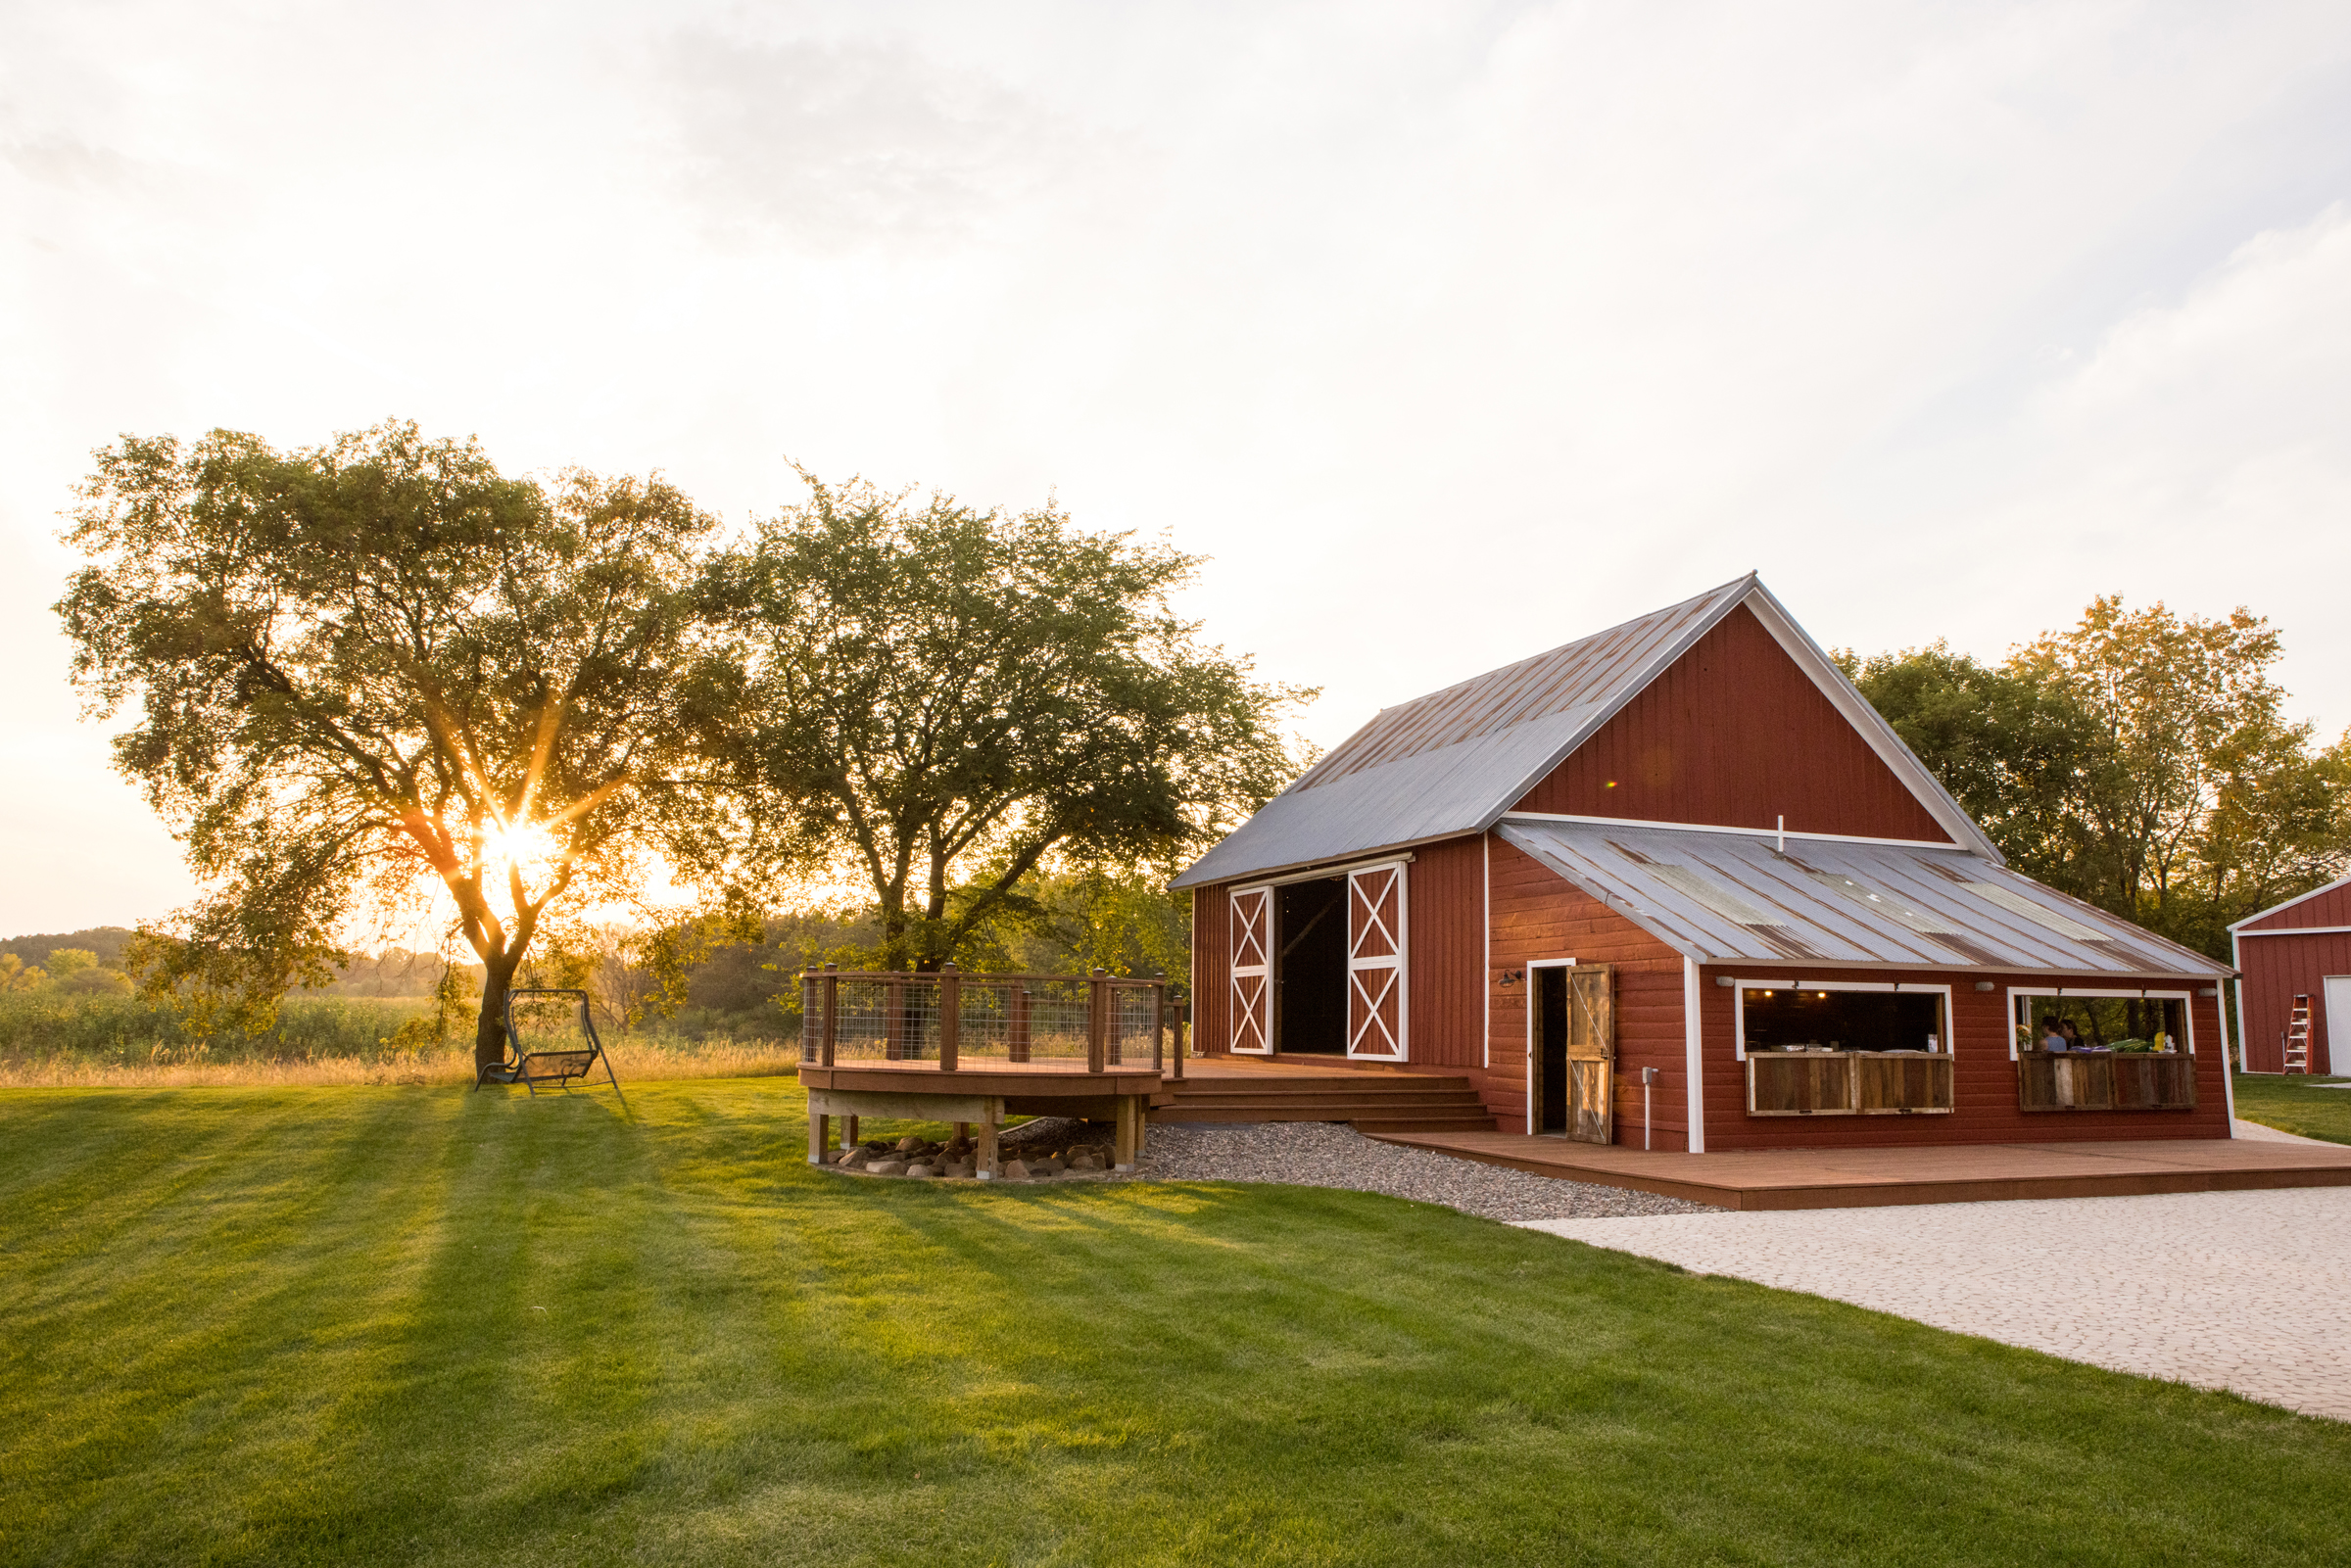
[(1551, 1049), (1310, 1000)]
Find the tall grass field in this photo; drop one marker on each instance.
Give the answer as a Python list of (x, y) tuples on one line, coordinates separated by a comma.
[(56, 1039), (358, 1325)]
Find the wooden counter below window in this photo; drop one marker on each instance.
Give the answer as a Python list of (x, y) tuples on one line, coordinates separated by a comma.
[(2100, 1080), (1849, 1083)]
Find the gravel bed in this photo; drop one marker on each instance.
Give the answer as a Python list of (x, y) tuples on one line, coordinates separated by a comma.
[(1330, 1153)]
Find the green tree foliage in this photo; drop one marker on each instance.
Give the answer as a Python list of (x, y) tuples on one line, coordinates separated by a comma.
[(2138, 760), (935, 703), (373, 667)]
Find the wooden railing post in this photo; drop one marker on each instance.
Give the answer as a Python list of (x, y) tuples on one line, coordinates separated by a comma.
[(950, 1016), (893, 1018), (1182, 1009), (1097, 992), (812, 1004), (1016, 1020), (1158, 1022), (831, 1006)]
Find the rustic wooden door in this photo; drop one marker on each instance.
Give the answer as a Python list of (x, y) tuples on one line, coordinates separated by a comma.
[(1375, 952), (1592, 1053), (1251, 972)]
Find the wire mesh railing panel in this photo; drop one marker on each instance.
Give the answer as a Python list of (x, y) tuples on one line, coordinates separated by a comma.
[(1133, 1019), (1045, 1022), (886, 1019), (1030, 1021)]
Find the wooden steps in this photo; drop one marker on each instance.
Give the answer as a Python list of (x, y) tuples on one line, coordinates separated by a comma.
[(1372, 1102)]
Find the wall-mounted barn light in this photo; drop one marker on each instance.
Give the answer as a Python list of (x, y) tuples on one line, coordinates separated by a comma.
[(1512, 976)]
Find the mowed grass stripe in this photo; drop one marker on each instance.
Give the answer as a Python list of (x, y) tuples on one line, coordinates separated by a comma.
[(312, 1335)]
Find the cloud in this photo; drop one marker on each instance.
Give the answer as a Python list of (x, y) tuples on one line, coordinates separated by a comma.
[(837, 144)]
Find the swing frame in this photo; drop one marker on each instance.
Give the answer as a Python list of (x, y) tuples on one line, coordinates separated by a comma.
[(562, 1068)]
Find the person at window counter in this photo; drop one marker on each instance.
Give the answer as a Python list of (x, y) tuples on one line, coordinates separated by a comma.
[(2052, 1034)]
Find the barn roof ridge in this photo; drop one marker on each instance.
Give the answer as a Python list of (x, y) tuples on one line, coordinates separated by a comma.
[(1455, 760)]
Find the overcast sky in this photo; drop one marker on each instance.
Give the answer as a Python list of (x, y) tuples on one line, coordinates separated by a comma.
[(1448, 332)]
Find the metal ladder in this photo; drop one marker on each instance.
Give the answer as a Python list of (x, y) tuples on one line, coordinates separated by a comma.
[(2297, 1038)]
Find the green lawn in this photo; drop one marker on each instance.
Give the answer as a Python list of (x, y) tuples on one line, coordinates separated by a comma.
[(358, 1325), (2295, 1105)]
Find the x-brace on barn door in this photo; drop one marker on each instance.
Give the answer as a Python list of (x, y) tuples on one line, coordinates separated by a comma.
[(1251, 972), (1375, 964)]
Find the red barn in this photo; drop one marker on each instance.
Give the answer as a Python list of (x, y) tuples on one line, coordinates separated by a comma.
[(1684, 856), (2294, 1005)]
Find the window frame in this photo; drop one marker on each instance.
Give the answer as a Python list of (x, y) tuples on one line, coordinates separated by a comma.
[(1740, 984), (2107, 994)]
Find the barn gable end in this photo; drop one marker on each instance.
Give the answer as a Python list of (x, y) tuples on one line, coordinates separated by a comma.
[(1734, 734)]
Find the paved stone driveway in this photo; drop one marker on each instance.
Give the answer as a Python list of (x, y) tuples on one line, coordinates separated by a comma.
[(2248, 1291)]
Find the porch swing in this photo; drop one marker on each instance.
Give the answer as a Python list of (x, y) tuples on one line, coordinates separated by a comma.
[(559, 1065)]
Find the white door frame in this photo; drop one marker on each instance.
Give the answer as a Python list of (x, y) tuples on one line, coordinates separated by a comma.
[(1534, 1129), (2338, 1023)]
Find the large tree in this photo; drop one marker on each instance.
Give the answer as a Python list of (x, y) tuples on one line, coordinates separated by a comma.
[(2138, 759), (378, 667), (935, 702)]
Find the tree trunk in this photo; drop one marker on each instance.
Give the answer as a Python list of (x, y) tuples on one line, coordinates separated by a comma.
[(490, 1029)]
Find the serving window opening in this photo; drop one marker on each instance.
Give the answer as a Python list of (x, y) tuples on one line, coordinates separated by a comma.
[(1809, 1018), (1824, 1050), (2102, 1053), (2138, 1026)]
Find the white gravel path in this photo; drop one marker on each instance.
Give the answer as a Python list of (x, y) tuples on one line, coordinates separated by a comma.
[(2247, 1291)]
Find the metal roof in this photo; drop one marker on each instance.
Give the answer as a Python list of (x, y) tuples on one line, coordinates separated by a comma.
[(1734, 897), (1547, 685), (1453, 761)]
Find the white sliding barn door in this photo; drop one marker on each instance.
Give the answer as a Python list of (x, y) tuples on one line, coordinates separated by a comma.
[(1252, 971), (1375, 947)]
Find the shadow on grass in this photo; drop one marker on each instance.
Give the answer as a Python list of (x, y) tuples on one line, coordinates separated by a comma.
[(397, 1326)]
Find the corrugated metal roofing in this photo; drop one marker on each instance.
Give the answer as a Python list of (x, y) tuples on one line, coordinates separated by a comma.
[(1453, 761), (1734, 897), (1575, 675)]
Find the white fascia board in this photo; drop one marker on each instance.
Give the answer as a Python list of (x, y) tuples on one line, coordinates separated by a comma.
[(1744, 832), (2339, 881), (1871, 724)]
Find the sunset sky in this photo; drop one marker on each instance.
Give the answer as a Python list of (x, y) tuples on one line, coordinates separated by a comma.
[(1448, 332)]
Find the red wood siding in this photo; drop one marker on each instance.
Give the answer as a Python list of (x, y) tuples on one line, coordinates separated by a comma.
[(1537, 915), (1733, 734), (2277, 969), (1445, 962), (1212, 978), (1984, 1077), (2329, 908)]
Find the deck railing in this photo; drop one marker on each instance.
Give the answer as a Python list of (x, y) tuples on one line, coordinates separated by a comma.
[(950, 1019)]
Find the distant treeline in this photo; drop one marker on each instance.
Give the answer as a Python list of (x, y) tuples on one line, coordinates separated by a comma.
[(106, 941)]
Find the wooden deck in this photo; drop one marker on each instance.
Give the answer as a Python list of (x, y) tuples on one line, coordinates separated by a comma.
[(1948, 1173)]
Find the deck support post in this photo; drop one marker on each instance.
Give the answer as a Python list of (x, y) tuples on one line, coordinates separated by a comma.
[(848, 1132), (991, 1113), (1130, 1107), (820, 1138)]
